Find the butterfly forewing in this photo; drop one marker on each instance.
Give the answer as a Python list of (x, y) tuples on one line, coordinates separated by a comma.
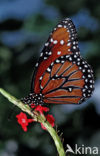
[(62, 41)]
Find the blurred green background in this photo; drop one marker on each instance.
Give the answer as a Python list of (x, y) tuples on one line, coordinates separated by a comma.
[(24, 28)]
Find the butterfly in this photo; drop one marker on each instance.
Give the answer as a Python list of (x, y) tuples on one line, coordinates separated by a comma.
[(61, 75)]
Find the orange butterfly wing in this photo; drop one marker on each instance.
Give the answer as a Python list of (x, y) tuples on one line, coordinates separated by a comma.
[(62, 41), (61, 76), (69, 83)]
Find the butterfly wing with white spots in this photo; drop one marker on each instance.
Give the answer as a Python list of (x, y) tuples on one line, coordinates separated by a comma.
[(61, 75), (62, 41), (68, 81)]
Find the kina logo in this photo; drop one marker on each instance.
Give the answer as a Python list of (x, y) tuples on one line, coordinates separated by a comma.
[(82, 150)]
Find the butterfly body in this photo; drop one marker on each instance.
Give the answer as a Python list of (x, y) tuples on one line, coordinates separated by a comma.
[(61, 75)]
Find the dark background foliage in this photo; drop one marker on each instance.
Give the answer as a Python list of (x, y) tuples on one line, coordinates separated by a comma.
[(24, 28)]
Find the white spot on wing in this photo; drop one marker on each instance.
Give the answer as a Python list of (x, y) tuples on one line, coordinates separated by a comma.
[(57, 61), (59, 52), (46, 44), (59, 26), (45, 58), (36, 65), (48, 69), (68, 44), (62, 42), (55, 41), (41, 54), (51, 39), (50, 53)]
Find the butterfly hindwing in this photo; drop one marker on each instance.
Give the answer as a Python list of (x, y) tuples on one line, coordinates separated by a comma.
[(70, 85)]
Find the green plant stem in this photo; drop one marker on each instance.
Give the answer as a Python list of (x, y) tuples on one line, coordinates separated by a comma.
[(56, 138), (37, 117)]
